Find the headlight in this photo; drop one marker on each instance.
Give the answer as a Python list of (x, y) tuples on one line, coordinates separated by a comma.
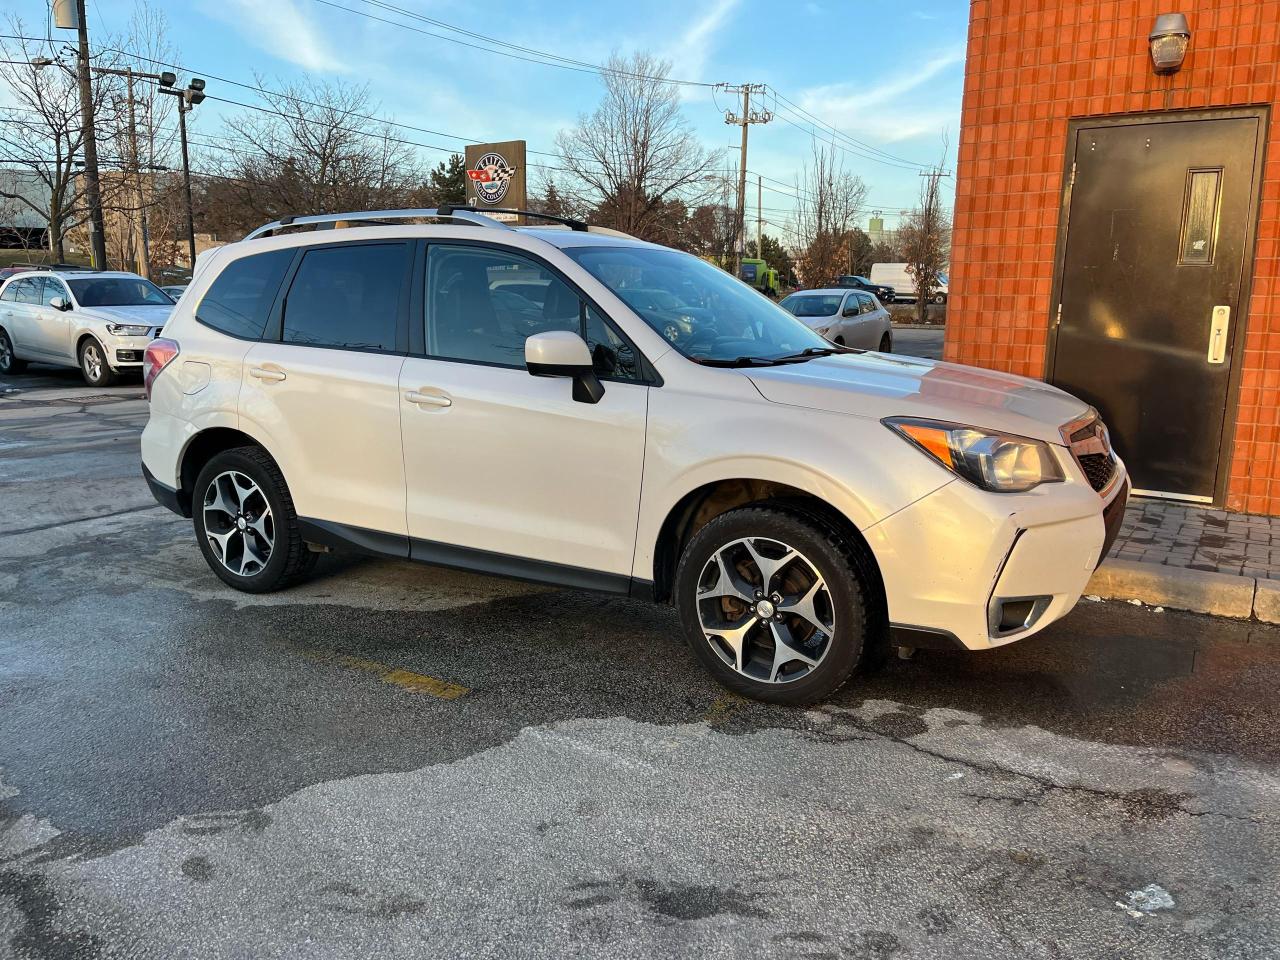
[(988, 459), (128, 329)]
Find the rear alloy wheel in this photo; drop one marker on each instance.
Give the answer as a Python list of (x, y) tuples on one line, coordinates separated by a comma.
[(939, 298), (772, 603), (8, 362), (245, 522), (93, 365), (886, 343)]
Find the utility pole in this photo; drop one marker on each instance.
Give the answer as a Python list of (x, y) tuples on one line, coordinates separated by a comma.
[(92, 187), (759, 215), (744, 120)]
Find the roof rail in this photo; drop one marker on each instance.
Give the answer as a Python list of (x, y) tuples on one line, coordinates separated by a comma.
[(444, 212), (576, 225)]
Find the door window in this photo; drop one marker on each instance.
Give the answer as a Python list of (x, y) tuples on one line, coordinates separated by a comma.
[(348, 297), (53, 288), (10, 293), (239, 300), (868, 304), (28, 290), (1200, 216), (482, 305)]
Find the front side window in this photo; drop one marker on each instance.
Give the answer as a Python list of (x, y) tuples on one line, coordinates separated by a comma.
[(347, 297), (868, 305), (711, 316), (52, 288), (239, 300), (118, 292), (482, 304)]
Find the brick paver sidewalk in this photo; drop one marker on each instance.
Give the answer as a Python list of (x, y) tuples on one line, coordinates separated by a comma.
[(1156, 531)]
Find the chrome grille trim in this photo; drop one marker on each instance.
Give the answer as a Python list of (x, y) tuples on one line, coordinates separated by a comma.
[(1090, 444)]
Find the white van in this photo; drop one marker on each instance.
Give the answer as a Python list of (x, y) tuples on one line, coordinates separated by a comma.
[(895, 275)]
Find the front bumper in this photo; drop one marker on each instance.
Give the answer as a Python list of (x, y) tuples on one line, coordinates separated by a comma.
[(126, 353), (969, 569)]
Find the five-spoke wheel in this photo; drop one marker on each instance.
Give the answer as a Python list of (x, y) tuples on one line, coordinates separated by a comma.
[(765, 609), (238, 523), (775, 603)]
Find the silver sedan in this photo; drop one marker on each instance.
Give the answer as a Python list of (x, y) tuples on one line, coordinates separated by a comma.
[(850, 318)]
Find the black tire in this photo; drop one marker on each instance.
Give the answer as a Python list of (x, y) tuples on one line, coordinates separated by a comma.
[(886, 343), (289, 560), (93, 364), (939, 298), (858, 641), (8, 362)]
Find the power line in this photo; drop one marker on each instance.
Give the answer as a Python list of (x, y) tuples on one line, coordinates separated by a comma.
[(840, 133)]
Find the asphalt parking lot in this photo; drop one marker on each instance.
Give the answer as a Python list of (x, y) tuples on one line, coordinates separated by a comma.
[(396, 761)]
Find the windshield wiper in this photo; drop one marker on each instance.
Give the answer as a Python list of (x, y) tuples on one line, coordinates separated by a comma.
[(808, 353), (734, 361)]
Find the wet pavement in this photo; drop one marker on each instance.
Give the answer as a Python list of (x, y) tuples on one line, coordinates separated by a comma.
[(392, 760)]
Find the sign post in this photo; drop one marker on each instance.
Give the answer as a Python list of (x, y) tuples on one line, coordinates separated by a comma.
[(496, 177)]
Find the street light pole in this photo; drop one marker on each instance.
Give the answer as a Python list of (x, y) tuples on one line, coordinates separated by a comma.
[(188, 99), (92, 187), (186, 183)]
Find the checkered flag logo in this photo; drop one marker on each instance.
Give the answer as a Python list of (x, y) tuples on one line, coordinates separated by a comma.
[(491, 175)]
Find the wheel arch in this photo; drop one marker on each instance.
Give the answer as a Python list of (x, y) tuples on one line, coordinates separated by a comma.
[(200, 449), (703, 504)]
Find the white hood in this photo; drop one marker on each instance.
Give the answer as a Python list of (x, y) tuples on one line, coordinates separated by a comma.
[(153, 315), (880, 385)]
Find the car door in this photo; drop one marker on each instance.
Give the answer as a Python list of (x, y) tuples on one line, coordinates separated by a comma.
[(24, 315), (506, 470), (56, 326), (322, 387)]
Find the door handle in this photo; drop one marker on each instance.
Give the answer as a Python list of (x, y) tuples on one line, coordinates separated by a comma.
[(428, 399), (1218, 328), (266, 373)]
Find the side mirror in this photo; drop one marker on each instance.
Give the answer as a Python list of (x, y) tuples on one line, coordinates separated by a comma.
[(851, 311), (562, 353), (60, 303)]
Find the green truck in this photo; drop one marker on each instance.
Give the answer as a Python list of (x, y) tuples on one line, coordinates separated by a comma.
[(760, 275)]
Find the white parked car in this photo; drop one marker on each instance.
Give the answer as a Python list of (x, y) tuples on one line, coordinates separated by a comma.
[(849, 318), (100, 322), (803, 506)]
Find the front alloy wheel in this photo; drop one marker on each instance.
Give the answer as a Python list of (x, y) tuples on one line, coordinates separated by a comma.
[(238, 523), (93, 365), (765, 610)]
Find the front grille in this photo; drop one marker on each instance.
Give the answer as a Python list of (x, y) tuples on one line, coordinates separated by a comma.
[(1098, 469), (1091, 446)]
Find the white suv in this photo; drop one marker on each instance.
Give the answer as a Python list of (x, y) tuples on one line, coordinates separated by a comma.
[(98, 321), (490, 397)]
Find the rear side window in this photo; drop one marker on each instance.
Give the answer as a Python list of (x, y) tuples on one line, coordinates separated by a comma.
[(27, 290), (347, 296), (239, 301)]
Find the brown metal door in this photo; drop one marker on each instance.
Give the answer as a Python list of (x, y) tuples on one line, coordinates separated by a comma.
[(1150, 289)]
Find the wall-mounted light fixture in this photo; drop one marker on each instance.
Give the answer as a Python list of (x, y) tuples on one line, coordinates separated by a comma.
[(1169, 40)]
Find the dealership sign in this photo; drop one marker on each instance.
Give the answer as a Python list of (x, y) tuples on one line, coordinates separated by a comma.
[(496, 175)]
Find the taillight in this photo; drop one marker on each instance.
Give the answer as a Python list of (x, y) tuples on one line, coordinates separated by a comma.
[(160, 354)]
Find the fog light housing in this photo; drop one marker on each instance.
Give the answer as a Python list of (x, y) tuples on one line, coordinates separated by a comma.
[(1169, 40), (1010, 615)]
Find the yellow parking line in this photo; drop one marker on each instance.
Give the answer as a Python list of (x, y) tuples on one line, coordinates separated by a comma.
[(404, 679)]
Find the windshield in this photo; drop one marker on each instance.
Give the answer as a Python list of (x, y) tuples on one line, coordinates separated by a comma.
[(704, 312), (118, 292), (812, 305)]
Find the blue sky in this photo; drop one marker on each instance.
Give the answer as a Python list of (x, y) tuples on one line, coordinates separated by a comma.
[(887, 73)]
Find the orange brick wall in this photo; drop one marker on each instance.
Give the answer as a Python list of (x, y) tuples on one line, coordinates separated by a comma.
[(1032, 66)]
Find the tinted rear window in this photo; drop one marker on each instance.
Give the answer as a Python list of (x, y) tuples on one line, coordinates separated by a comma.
[(239, 301), (347, 296), (822, 305)]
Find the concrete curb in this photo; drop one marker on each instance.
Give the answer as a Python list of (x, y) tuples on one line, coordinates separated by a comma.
[(1200, 591), (918, 326)]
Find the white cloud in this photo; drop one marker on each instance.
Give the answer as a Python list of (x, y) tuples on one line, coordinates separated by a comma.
[(689, 54), (280, 28), (850, 105)]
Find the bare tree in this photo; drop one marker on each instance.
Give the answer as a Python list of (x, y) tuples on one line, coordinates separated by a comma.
[(311, 150), (41, 135), (925, 239), (636, 154), (830, 200)]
